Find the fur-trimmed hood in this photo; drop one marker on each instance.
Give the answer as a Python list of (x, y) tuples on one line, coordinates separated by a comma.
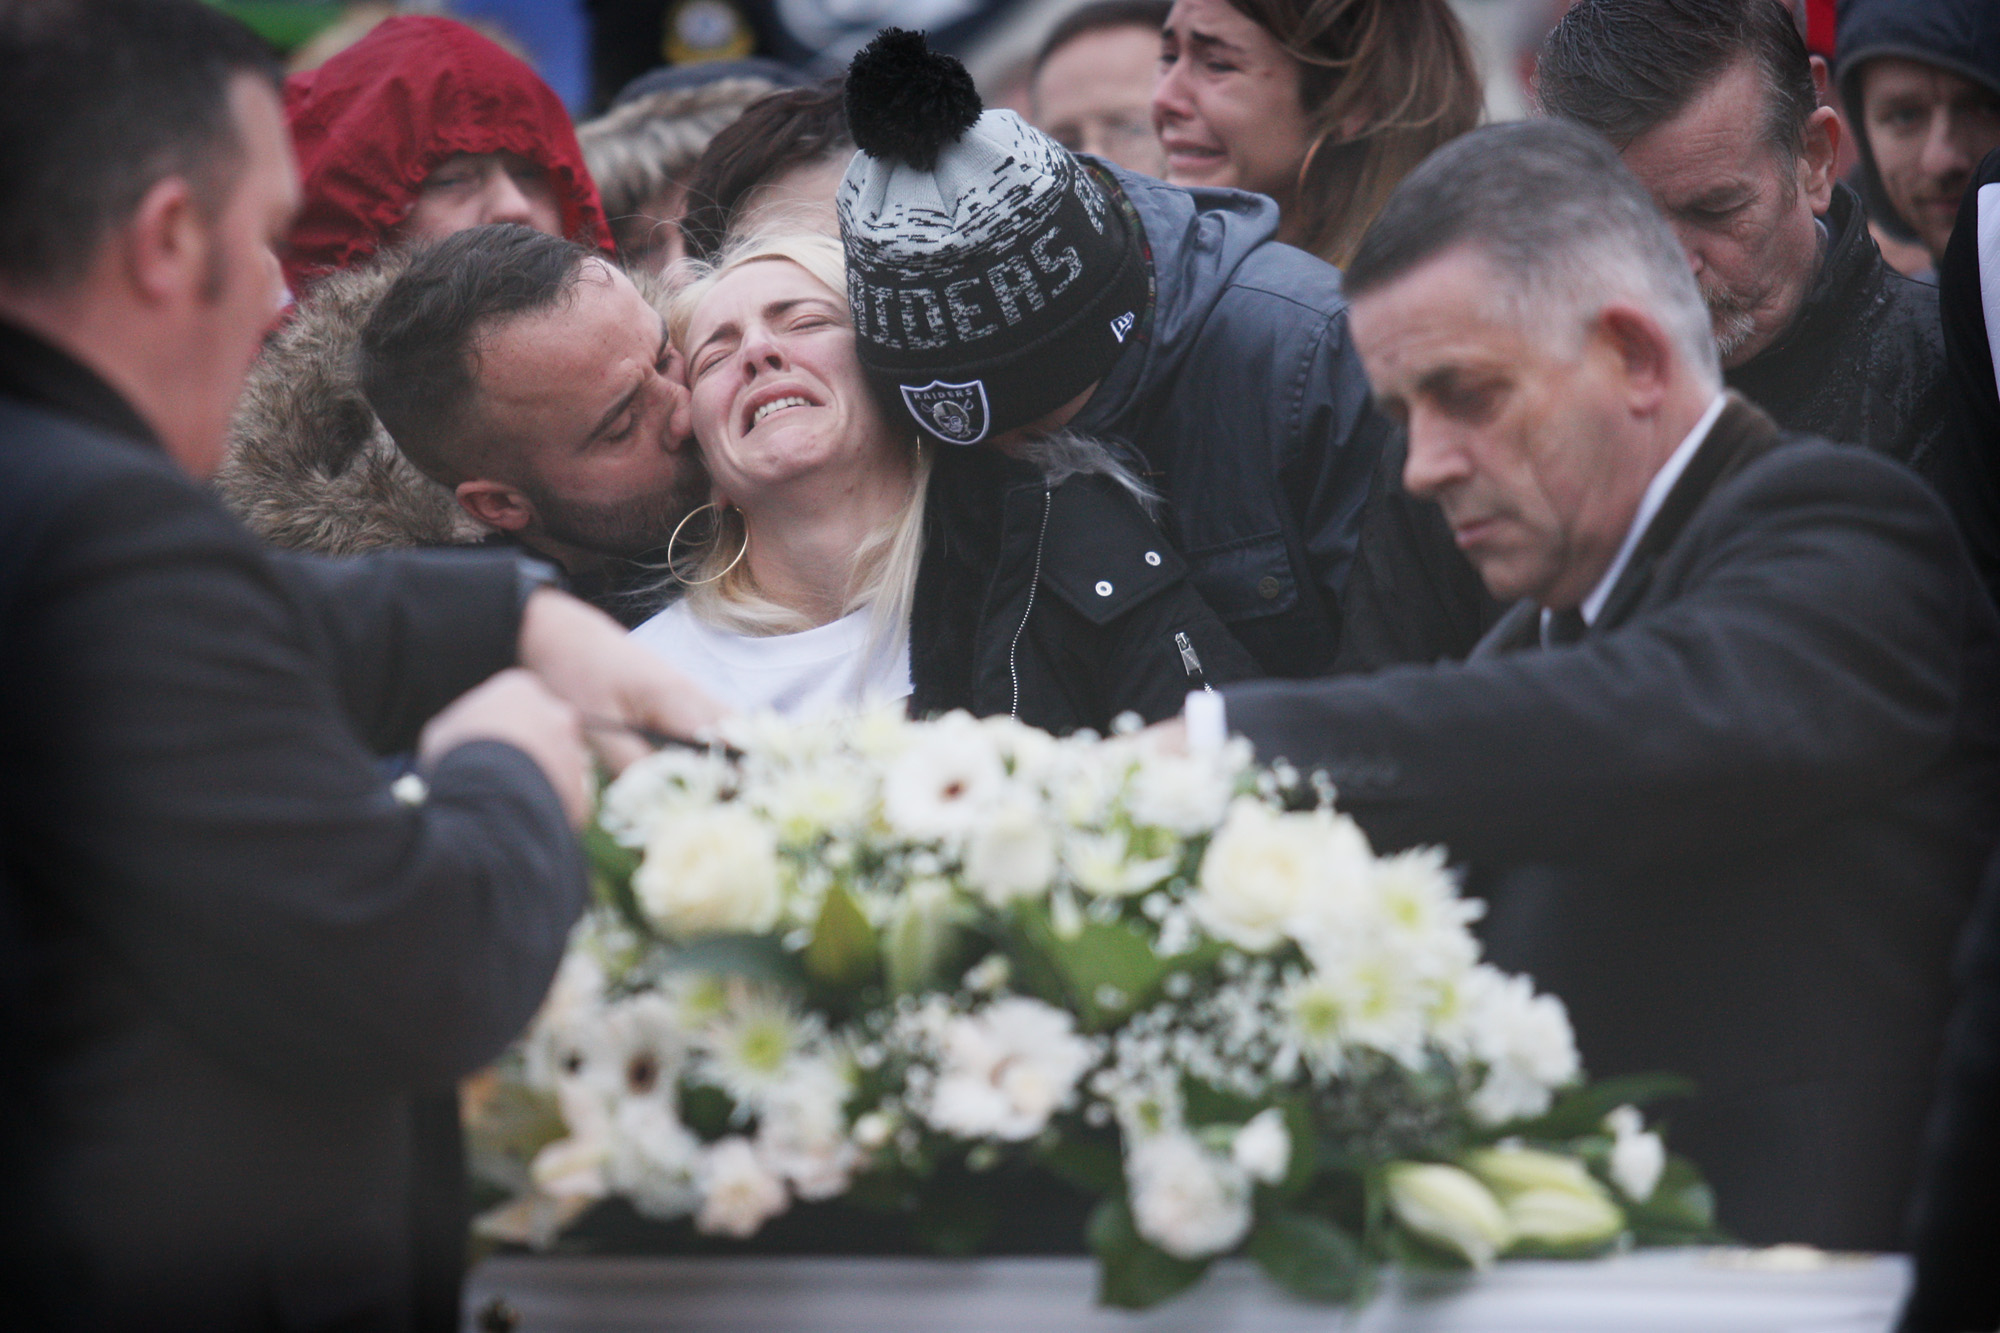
[(309, 466)]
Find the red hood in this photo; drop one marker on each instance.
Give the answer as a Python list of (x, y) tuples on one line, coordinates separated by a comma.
[(373, 122)]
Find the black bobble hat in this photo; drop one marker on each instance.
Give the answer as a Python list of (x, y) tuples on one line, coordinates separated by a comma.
[(991, 279)]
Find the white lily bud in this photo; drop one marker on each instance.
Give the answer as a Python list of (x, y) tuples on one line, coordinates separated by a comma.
[(1449, 1208)]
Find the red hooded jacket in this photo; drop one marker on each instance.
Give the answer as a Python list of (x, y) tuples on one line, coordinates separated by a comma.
[(371, 124)]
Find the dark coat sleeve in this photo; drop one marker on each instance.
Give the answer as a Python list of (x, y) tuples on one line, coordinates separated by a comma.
[(1809, 659), (202, 807), (405, 633)]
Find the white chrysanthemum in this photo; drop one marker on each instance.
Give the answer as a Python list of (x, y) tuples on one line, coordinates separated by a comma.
[(807, 803), (652, 1159), (1005, 1070), (1188, 794), (1523, 1039), (1189, 1201), (668, 779), (1266, 875), (1638, 1157), (754, 1049), (1028, 752), (738, 1195), (1102, 864), (1084, 781), (1370, 997), (1011, 854), (710, 872), (1428, 923), (942, 786), (802, 1134)]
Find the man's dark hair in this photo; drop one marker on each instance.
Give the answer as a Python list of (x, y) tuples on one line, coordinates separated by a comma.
[(1561, 222), (794, 128), (99, 101), (417, 349), (1098, 17), (1624, 67)]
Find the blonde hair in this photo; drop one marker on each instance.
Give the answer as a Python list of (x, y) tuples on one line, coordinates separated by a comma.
[(1403, 68), (883, 576)]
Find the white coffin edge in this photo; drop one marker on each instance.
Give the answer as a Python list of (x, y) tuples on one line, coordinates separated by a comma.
[(1687, 1291)]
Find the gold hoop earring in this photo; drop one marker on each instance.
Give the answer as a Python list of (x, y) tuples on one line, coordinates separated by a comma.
[(676, 536)]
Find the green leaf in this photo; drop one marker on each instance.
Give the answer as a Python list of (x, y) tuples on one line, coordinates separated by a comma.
[(1090, 1163), (1108, 968), (611, 866), (706, 1110), (1312, 1258), (1131, 1274), (1582, 1110), (1305, 1147), (843, 951), (757, 957)]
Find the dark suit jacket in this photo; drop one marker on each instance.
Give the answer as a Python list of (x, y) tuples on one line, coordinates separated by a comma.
[(231, 954), (1736, 826)]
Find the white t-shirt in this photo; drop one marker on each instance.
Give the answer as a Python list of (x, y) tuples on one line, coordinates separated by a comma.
[(808, 674)]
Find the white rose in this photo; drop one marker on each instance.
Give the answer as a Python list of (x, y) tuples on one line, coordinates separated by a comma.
[(711, 872), (1011, 855), (1006, 1070), (1449, 1208), (1637, 1154), (1263, 1147), (1190, 1202), (1265, 871), (942, 785), (738, 1195)]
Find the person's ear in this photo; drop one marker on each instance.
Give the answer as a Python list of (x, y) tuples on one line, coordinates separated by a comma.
[(1818, 148), (167, 244), (496, 505), (1822, 79), (1644, 354)]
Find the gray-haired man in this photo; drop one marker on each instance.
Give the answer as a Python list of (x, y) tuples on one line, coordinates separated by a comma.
[(1728, 769)]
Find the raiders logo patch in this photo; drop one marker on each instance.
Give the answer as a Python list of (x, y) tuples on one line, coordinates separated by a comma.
[(955, 413)]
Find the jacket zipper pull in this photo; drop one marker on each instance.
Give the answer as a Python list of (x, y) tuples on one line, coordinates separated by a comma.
[(1190, 661)]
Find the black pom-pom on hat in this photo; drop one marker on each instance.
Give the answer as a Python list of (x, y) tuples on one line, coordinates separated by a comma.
[(906, 102)]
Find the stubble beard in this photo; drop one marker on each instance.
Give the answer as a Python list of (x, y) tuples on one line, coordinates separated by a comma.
[(623, 529), (1731, 317)]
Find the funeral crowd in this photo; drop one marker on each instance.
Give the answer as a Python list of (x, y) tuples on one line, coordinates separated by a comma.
[(1589, 494)]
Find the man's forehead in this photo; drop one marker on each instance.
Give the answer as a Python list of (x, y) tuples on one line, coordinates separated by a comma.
[(1443, 303), (593, 334), (1717, 140)]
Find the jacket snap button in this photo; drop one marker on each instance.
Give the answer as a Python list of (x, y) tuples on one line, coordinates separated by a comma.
[(1267, 587), (1103, 588), (1153, 559)]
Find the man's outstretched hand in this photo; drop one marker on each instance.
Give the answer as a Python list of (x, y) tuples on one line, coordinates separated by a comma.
[(622, 691)]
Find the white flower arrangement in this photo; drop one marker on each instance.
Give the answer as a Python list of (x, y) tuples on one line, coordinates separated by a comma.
[(859, 949)]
